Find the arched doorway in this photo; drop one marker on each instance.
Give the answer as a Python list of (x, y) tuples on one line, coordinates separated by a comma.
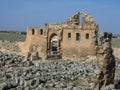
[(54, 47)]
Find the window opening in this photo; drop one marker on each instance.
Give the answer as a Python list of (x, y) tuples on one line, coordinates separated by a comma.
[(33, 31), (77, 36), (41, 31), (69, 35), (87, 36)]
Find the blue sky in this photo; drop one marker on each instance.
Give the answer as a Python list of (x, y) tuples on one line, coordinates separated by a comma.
[(19, 14)]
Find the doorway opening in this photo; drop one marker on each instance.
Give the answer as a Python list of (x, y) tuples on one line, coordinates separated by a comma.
[(54, 47)]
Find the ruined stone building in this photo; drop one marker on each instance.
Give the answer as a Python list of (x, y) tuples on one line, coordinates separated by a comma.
[(71, 39)]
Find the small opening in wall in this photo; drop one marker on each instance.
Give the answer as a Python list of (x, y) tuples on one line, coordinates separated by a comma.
[(69, 35), (33, 31), (87, 36), (77, 36), (41, 31)]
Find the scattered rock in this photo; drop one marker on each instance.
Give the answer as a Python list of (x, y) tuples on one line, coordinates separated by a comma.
[(48, 75)]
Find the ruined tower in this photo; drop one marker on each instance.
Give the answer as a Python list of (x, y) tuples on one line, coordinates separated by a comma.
[(105, 62)]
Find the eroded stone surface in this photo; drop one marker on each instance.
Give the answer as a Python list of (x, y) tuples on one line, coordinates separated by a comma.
[(105, 61)]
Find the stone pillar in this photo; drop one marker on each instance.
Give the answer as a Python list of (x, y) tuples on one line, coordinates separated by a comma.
[(105, 62)]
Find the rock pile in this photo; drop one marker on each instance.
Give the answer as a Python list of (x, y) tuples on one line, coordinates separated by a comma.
[(18, 73), (9, 46)]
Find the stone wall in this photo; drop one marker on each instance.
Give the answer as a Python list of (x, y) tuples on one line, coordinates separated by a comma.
[(37, 40), (116, 52), (80, 40), (106, 63)]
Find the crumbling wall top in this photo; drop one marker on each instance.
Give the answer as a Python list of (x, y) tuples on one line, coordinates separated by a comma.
[(74, 19), (86, 22)]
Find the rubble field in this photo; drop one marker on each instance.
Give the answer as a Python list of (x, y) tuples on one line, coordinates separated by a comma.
[(17, 73)]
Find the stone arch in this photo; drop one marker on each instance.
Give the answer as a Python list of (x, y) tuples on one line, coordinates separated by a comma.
[(83, 19), (54, 45), (52, 35), (88, 21), (54, 39)]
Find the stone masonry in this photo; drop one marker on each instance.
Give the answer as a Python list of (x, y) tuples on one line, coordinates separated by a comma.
[(71, 39), (106, 62)]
